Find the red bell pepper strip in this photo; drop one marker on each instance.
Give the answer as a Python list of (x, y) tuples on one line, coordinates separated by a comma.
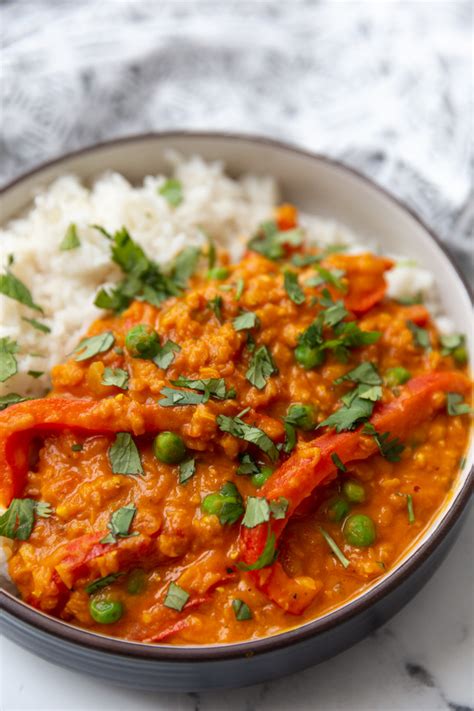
[(312, 463), (20, 422), (181, 624)]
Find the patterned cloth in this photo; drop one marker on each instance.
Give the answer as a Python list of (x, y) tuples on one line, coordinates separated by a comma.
[(383, 86)]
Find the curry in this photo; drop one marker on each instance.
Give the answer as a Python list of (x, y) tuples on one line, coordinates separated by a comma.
[(242, 456)]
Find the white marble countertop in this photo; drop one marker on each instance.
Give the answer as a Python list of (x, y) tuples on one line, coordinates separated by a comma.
[(381, 85)]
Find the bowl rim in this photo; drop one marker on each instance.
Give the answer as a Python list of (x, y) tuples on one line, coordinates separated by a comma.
[(169, 653)]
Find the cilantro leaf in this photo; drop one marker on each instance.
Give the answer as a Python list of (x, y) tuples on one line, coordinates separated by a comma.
[(166, 354), (365, 373), (347, 418), (100, 583), (124, 456), (328, 276), (335, 548), (247, 466), (119, 524), (12, 287), (337, 462), (390, 449), (279, 507), (71, 239), (421, 337), (211, 387), (257, 511), (143, 280), (94, 345), (215, 305), (187, 469), (241, 610), (304, 260), (236, 427), (176, 597), (239, 289), (172, 191), (227, 504), (11, 399), (270, 242), (8, 364), (246, 320), (455, 404), (37, 324), (177, 398), (290, 437), (261, 368), (292, 287), (185, 265), (18, 520), (115, 376)]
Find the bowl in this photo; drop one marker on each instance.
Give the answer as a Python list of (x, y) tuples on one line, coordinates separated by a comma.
[(317, 185)]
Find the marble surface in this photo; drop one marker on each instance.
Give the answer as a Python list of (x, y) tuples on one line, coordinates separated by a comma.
[(380, 85)]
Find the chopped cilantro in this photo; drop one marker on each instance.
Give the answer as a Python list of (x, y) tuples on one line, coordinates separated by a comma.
[(210, 387), (421, 337), (279, 507), (241, 610), (11, 399), (115, 376), (71, 239), (12, 287), (176, 597), (18, 520), (172, 191), (227, 504), (292, 287), (337, 462), (328, 276), (335, 548), (391, 449), (119, 524), (455, 404), (94, 345), (270, 241), (236, 427), (246, 320), (215, 306), (8, 363), (35, 373), (261, 368), (185, 265), (124, 456), (166, 354), (187, 469), (100, 583), (257, 511), (239, 289), (348, 417), (37, 324)]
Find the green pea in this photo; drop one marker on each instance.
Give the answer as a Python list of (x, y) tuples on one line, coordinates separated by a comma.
[(308, 357), (136, 581), (397, 376), (218, 273), (302, 416), (169, 448), (105, 610), (460, 355), (359, 530), (259, 479), (212, 504), (142, 342), (337, 509), (353, 491)]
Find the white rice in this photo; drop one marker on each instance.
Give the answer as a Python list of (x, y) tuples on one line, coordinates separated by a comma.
[(64, 283)]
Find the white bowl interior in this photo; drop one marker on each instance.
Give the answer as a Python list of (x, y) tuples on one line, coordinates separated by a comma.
[(316, 186)]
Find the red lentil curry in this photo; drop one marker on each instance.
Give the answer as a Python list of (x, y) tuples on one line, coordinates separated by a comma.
[(231, 453)]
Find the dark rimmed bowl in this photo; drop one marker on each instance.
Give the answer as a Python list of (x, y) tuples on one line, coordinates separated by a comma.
[(320, 186)]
